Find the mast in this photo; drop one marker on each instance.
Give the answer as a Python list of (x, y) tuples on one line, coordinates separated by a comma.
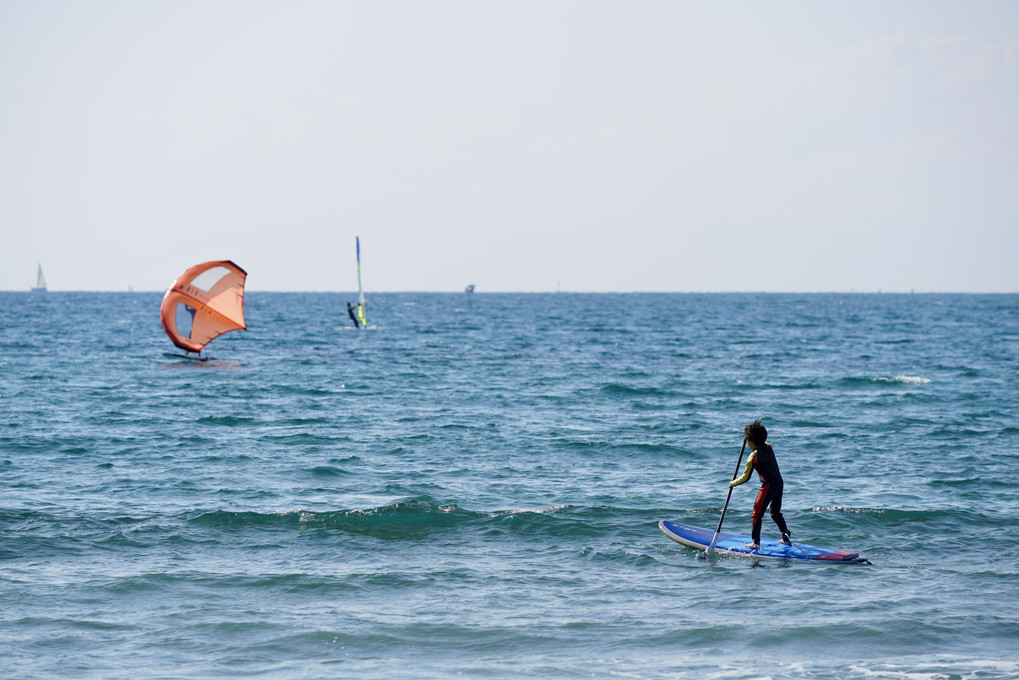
[(360, 289)]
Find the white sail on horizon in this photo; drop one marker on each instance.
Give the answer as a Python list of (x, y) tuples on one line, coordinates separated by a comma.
[(40, 281)]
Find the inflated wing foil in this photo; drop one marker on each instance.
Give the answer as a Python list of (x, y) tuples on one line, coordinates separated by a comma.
[(204, 302)]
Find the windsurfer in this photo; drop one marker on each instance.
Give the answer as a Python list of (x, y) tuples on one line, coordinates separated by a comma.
[(353, 315)]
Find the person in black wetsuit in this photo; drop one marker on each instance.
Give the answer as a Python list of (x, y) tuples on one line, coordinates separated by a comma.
[(353, 316), (762, 459)]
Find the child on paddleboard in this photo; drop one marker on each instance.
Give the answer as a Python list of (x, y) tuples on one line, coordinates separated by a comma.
[(762, 459)]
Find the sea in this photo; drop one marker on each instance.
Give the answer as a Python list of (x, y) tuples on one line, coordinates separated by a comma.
[(471, 487)]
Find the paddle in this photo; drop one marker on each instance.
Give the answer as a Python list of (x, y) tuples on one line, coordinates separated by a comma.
[(714, 539)]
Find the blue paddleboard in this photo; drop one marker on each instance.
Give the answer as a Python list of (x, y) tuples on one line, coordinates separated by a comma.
[(735, 544)]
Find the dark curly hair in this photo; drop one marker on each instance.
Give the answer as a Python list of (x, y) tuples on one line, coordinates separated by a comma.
[(755, 432)]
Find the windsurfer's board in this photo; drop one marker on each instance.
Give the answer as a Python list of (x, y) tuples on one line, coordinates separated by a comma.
[(185, 357), (735, 544)]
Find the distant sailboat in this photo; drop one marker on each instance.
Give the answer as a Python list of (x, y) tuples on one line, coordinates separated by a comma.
[(360, 289), (40, 282), (204, 302)]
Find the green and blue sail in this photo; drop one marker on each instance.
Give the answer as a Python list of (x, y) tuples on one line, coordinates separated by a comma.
[(360, 289)]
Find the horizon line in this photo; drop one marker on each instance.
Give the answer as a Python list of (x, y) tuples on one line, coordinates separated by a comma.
[(561, 292)]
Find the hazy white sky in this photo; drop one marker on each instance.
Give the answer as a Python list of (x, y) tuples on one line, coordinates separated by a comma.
[(521, 146)]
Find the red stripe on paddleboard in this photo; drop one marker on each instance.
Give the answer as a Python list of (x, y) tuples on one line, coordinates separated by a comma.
[(838, 556)]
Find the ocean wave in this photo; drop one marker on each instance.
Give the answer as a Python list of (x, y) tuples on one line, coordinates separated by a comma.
[(887, 380), (949, 518), (633, 391), (405, 519), (566, 521), (672, 451), (308, 421), (905, 380), (228, 421), (421, 517), (539, 511), (299, 390), (329, 471), (297, 439)]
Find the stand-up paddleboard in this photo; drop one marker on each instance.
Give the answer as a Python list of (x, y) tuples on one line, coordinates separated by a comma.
[(735, 544)]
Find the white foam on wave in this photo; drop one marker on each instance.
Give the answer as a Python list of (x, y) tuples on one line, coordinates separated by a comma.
[(939, 667), (904, 380), (842, 508), (539, 511)]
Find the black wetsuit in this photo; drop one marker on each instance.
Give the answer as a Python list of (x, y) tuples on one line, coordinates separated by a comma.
[(353, 317), (763, 461)]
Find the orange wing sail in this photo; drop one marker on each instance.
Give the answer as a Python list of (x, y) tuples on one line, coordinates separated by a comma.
[(204, 302)]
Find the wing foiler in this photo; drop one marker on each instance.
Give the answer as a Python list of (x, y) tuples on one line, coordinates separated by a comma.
[(204, 302)]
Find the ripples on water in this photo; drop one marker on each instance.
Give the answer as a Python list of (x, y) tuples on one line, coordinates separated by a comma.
[(472, 487)]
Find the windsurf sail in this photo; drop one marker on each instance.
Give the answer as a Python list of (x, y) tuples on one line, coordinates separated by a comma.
[(204, 302), (360, 290), (40, 282)]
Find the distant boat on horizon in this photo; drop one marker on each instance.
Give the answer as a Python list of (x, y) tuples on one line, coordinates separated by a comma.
[(469, 288), (40, 282)]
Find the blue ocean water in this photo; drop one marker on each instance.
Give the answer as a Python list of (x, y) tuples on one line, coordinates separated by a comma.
[(471, 487)]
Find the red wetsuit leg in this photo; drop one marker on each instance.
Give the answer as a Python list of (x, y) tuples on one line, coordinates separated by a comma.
[(761, 503), (757, 516)]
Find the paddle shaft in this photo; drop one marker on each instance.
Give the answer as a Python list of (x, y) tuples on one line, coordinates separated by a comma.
[(718, 529)]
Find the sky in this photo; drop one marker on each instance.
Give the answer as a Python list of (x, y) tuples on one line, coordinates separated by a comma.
[(633, 145)]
